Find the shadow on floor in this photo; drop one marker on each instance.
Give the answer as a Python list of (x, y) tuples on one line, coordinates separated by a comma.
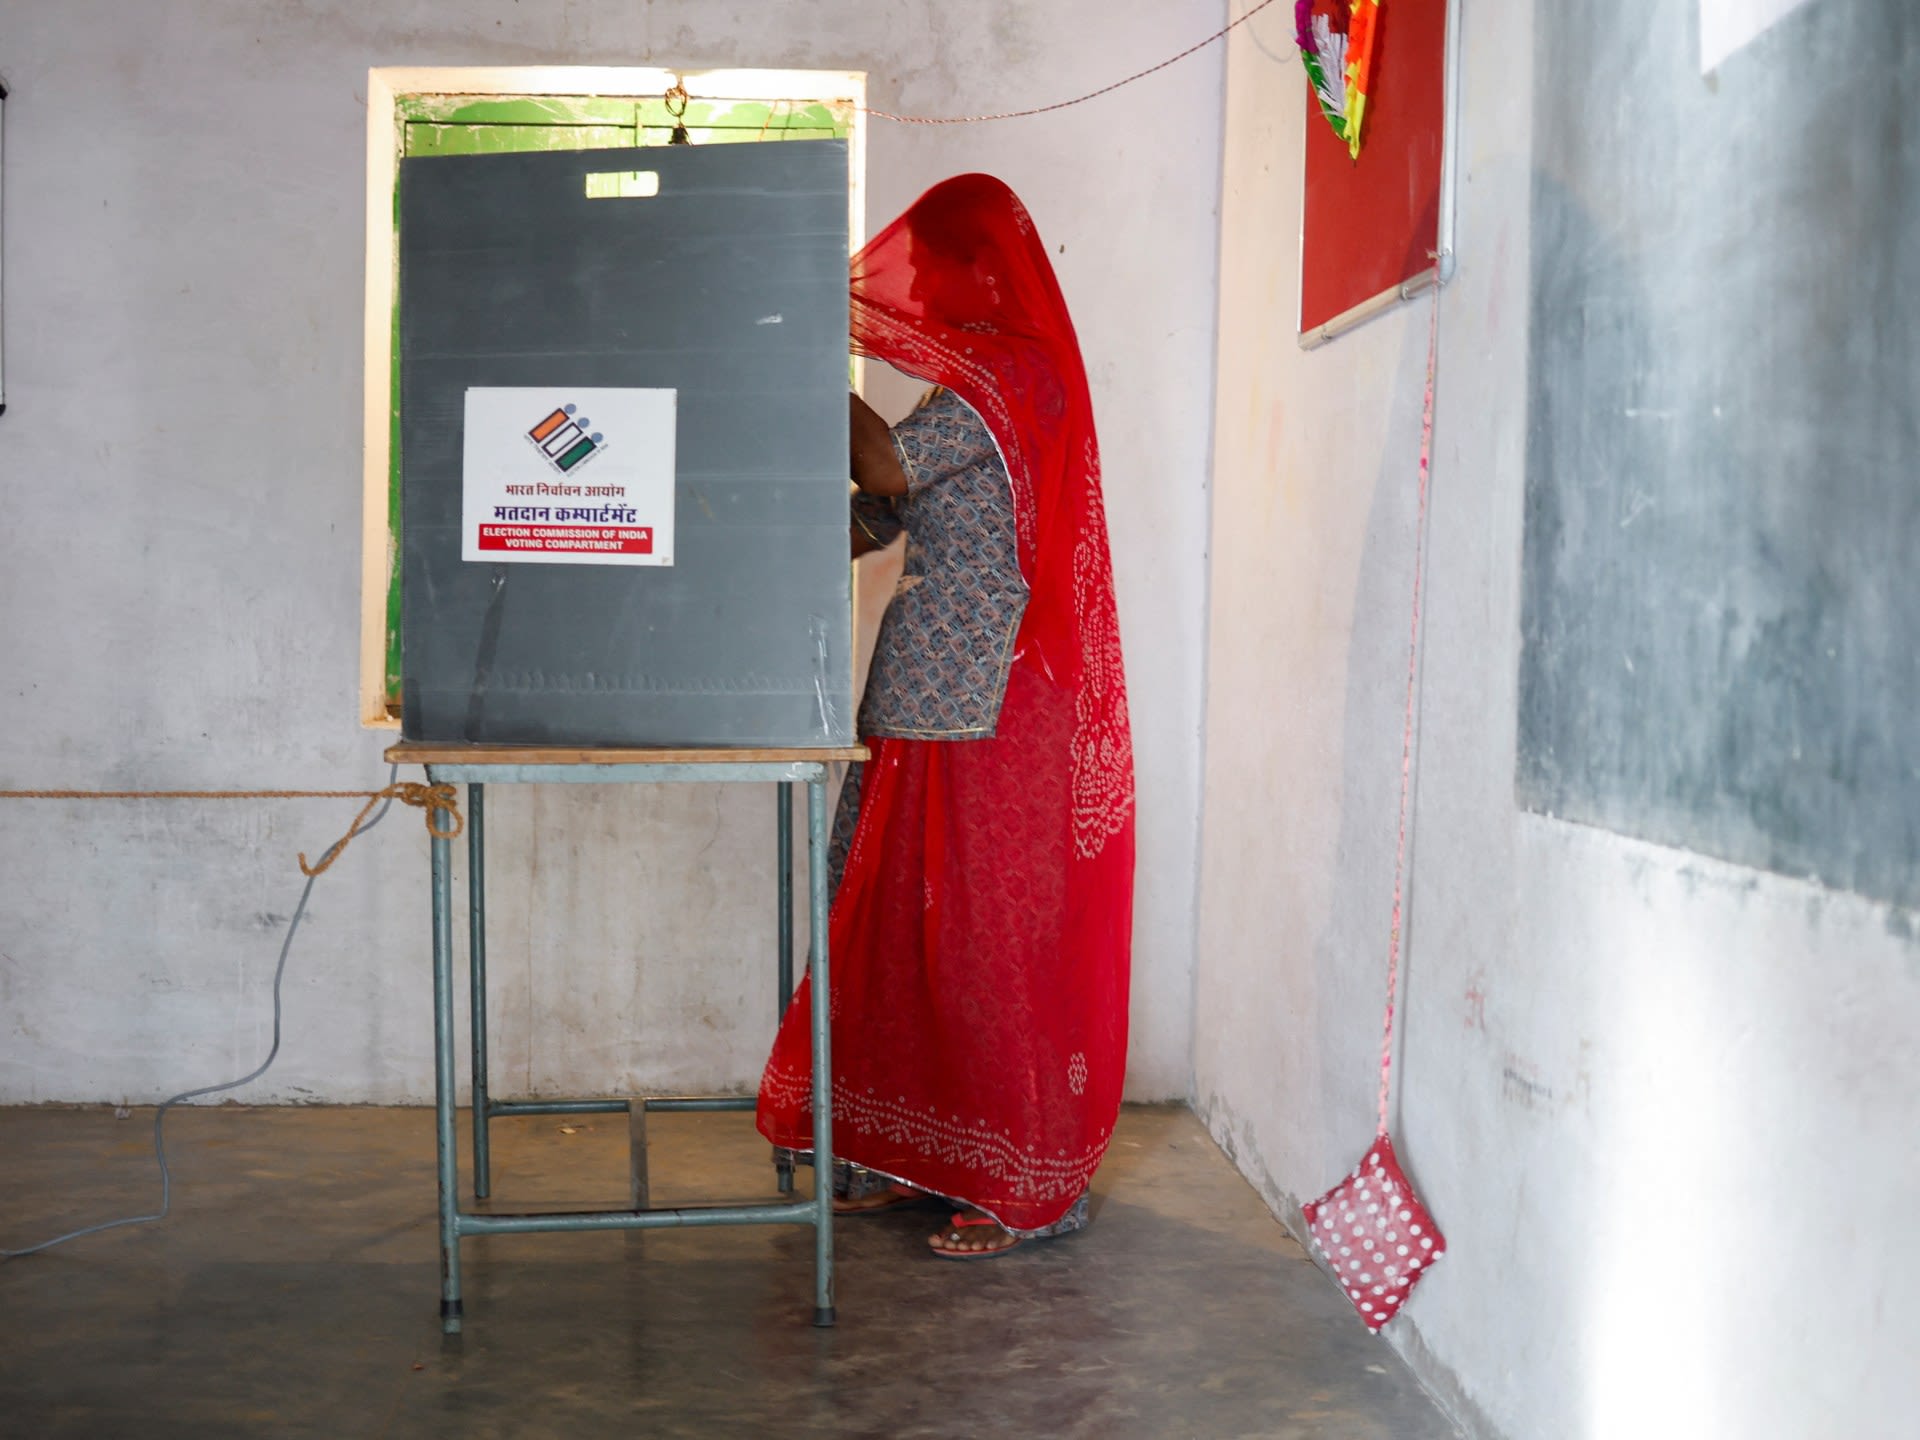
[(294, 1293)]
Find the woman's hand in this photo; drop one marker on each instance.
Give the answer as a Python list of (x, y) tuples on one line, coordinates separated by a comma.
[(876, 466)]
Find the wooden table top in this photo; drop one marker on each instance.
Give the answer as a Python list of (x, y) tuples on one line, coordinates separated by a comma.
[(431, 752)]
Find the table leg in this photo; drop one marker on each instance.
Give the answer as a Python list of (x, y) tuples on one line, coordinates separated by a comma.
[(443, 1085), (477, 976), (783, 868), (783, 835), (822, 1054)]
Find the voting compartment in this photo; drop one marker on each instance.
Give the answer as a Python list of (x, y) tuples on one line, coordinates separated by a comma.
[(623, 439)]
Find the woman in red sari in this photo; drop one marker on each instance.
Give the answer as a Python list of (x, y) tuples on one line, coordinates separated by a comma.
[(982, 913)]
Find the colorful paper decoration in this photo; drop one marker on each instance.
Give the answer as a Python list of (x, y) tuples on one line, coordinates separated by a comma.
[(1336, 41)]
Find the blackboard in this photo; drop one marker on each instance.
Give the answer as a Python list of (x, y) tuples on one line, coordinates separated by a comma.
[(1721, 596), (722, 279)]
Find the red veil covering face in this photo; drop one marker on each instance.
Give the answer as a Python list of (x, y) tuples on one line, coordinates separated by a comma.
[(980, 935)]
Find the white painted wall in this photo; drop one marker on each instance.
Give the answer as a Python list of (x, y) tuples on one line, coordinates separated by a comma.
[(184, 214), (1663, 1107)]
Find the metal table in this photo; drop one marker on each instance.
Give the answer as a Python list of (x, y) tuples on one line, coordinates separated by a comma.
[(477, 766)]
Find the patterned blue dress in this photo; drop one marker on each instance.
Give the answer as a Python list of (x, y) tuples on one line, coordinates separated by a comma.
[(941, 659), (945, 645)]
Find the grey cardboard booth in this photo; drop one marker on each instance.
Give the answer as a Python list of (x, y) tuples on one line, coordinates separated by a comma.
[(727, 287)]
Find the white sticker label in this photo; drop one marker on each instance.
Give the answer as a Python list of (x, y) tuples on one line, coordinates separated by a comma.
[(1730, 25), (568, 476)]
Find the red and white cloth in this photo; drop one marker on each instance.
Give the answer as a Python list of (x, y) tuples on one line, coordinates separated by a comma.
[(1371, 1230), (1374, 1234), (981, 931)]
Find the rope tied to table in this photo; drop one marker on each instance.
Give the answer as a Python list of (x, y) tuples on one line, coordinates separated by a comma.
[(440, 802)]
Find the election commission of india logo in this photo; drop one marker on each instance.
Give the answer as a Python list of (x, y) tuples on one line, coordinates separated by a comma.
[(566, 440)]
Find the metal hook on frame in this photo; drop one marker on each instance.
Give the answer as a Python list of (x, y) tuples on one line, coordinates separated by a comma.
[(678, 95)]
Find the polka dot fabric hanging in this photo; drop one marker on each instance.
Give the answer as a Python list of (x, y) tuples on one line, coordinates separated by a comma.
[(1370, 1230), (1375, 1235)]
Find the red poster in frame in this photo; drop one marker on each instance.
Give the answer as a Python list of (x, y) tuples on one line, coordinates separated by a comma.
[(1377, 230)]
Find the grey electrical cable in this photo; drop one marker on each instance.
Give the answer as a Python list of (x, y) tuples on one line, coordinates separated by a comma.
[(160, 1115)]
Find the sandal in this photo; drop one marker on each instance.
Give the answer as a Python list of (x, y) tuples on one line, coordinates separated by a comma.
[(946, 1244), (891, 1198)]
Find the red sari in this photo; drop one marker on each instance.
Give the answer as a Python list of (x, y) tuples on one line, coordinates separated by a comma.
[(980, 935)]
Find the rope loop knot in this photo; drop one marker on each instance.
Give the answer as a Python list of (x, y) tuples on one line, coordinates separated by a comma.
[(440, 802)]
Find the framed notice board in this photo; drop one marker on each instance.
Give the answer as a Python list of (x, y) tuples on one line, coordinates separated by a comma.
[(1378, 230)]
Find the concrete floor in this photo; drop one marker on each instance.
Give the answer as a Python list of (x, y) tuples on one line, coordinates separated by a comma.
[(294, 1293)]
